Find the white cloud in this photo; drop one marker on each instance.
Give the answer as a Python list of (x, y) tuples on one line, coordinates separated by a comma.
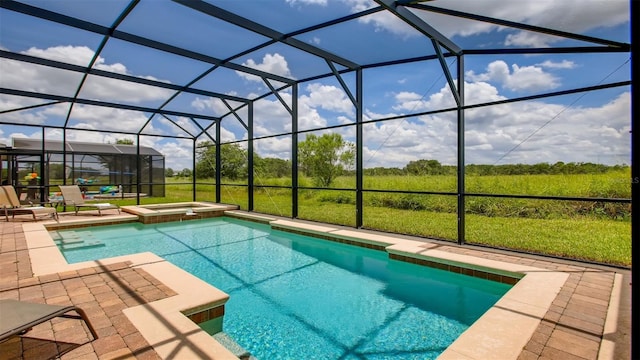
[(386, 21), (527, 39), (327, 97), (533, 132), (30, 77), (307, 2), (395, 143), (105, 89), (270, 117), (36, 78), (102, 118), (182, 122), (178, 153), (359, 5), (475, 93), (576, 16), (214, 104), (518, 78), (77, 55), (37, 117), (274, 147), (410, 101), (271, 63), (575, 134), (490, 132), (564, 64)]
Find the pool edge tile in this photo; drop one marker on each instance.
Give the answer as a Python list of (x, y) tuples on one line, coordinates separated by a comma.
[(173, 334), (607, 347), (493, 336), (310, 228)]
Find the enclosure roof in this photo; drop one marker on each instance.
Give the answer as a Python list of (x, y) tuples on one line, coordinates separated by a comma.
[(82, 147), (175, 68)]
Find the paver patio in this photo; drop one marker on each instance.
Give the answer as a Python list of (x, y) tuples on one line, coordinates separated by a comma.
[(589, 318)]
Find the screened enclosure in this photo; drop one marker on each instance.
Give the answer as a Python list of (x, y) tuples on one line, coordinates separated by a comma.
[(99, 169), (494, 123)]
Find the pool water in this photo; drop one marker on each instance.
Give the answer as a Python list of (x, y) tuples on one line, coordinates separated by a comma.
[(298, 297)]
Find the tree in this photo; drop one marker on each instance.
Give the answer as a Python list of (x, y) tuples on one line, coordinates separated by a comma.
[(186, 172), (271, 167), (325, 157), (124, 141), (424, 167), (233, 161), (169, 172)]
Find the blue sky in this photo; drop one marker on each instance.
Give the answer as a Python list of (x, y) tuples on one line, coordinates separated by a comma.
[(587, 127)]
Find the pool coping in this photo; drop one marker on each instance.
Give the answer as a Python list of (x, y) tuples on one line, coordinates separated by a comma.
[(165, 323), (165, 326), (191, 210)]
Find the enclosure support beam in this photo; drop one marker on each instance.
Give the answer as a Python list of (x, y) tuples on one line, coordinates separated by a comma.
[(258, 28), (64, 162), (193, 173), (635, 153), (417, 23), (44, 171), (250, 155), (461, 172), (138, 170), (294, 151), (359, 147), (218, 163), (447, 73)]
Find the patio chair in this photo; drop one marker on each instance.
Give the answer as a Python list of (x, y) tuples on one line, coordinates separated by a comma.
[(73, 196), (11, 204), (18, 317)]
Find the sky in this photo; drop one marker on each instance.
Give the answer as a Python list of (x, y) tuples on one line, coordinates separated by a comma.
[(584, 127)]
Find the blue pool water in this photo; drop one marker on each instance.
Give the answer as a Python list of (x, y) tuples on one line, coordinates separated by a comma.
[(298, 297)]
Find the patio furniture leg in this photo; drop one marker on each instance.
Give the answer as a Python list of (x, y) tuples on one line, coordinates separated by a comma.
[(84, 317)]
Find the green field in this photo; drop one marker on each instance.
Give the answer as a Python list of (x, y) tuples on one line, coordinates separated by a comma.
[(585, 230)]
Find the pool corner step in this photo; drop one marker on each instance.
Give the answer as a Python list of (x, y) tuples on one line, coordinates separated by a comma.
[(237, 350), (81, 245)]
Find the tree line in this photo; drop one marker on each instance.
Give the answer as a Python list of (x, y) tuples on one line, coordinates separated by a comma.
[(323, 158), (434, 167)]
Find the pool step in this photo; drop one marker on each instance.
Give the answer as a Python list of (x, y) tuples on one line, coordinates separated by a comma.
[(237, 350), (73, 241), (82, 245)]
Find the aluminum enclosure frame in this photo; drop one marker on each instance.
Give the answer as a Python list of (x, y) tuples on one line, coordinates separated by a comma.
[(400, 9)]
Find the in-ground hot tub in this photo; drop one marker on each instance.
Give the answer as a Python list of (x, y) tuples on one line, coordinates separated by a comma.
[(157, 213)]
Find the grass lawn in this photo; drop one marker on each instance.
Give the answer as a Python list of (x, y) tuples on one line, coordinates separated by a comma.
[(583, 237)]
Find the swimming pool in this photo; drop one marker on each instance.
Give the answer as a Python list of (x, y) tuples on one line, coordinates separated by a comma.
[(295, 297)]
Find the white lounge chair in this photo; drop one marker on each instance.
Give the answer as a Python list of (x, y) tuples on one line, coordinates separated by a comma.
[(11, 204), (73, 196)]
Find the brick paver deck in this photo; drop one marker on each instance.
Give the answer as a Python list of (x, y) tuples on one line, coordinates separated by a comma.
[(573, 328), (102, 292)]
